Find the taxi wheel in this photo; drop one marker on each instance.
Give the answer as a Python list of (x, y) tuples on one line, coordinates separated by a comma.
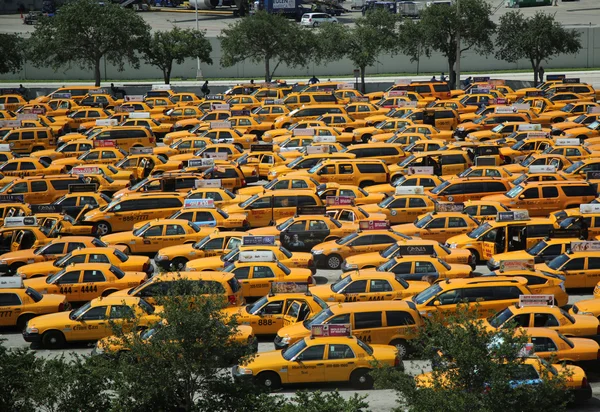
[(269, 380), (102, 228), (360, 379), (22, 321), (334, 261), (14, 267), (476, 254), (402, 347), (366, 138), (53, 339), (179, 263)]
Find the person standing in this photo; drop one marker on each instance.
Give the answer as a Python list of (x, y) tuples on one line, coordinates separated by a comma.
[(541, 74), (313, 80), (205, 90)]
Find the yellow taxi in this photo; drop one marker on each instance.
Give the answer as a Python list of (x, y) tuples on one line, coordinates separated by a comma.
[(543, 251), (257, 270), (373, 236), (265, 244), (544, 316), (190, 144), (52, 249), (71, 149), (287, 303), (438, 226), (149, 237), (90, 322), (269, 136), (127, 263), (358, 194), (404, 206), (589, 307), (84, 281), (29, 166), (122, 213), (407, 248), (583, 132), (427, 181), (309, 227), (20, 305), (313, 360), (103, 155), (368, 285), (397, 331), (579, 268), (282, 183), (306, 162), (346, 211), (213, 190), (81, 115), (12, 207), (539, 283), (423, 267), (362, 110), (365, 134), (444, 162), (202, 212), (550, 344), (559, 162)]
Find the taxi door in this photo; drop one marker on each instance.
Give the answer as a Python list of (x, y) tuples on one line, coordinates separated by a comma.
[(345, 174), (10, 308), (297, 311), (451, 167), (362, 244), (380, 289), (309, 365), (494, 241), (283, 206), (436, 229), (92, 325), (24, 239), (259, 282), (92, 284), (341, 361), (270, 317), (260, 212), (592, 273), (153, 239)]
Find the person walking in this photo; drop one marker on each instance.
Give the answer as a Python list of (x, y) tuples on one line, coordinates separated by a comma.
[(541, 74), (313, 80), (433, 79), (205, 90)]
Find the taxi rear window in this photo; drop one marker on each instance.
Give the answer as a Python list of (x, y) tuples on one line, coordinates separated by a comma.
[(234, 284)]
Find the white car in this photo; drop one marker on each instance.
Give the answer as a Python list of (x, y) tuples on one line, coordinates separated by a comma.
[(314, 19)]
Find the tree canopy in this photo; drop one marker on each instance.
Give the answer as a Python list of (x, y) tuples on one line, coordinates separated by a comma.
[(175, 45), (267, 38), (11, 50), (84, 32), (371, 36), (537, 39)]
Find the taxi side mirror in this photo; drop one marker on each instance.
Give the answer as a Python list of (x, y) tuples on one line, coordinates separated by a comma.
[(521, 197), (437, 303)]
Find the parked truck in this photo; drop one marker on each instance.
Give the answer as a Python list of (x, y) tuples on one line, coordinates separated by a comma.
[(291, 9)]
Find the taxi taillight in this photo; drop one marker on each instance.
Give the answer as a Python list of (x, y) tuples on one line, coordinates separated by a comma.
[(243, 182), (145, 267), (396, 362), (151, 138), (598, 355), (245, 223), (584, 383), (62, 307), (143, 280), (311, 280), (598, 330), (310, 262), (231, 299), (387, 177)]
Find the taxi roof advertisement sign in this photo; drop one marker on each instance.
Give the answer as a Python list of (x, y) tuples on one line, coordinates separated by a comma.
[(11, 198), (215, 183), (216, 155), (536, 300), (517, 264), (592, 175), (449, 207), (513, 216), (374, 224), (423, 170), (589, 208), (198, 203), (311, 210), (257, 256), (332, 330), (20, 221), (258, 240), (289, 287), (304, 132), (413, 250), (339, 200), (46, 209), (585, 246)]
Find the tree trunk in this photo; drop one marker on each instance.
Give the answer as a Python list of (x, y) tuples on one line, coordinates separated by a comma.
[(97, 76), (535, 73), (167, 73), (267, 69), (451, 74), (362, 79)]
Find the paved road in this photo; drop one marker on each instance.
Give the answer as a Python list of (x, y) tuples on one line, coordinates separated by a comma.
[(379, 400)]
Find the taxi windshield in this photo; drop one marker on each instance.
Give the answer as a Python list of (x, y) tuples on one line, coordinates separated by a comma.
[(500, 318), (386, 201), (389, 251), (285, 224), (253, 308), (230, 255), (537, 248), (568, 108), (498, 129), (574, 167), (229, 268), (387, 266), (594, 125), (61, 262), (442, 186), (199, 244), (346, 238), (406, 161), (295, 161), (558, 262), (336, 287), (520, 179), (141, 230), (294, 350), (478, 231), (248, 201), (78, 312), (514, 192), (138, 185), (427, 294), (481, 119), (423, 221), (318, 319), (518, 145)]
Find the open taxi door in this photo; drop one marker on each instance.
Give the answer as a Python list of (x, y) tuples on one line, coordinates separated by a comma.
[(297, 311)]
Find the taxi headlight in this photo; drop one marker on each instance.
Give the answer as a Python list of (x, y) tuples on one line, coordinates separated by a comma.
[(351, 266), (285, 340), (586, 313), (3, 262), (188, 269), (161, 257), (21, 275), (244, 371), (87, 218), (493, 262), (317, 252), (30, 329), (272, 173), (453, 245)]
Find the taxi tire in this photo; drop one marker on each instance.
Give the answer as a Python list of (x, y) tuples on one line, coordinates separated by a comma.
[(361, 379), (23, 319), (106, 226), (53, 339), (14, 267), (268, 380), (366, 137), (331, 261), (402, 347), (178, 263)]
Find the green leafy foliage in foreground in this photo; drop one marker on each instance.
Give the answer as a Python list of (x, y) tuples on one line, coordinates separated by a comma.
[(472, 370)]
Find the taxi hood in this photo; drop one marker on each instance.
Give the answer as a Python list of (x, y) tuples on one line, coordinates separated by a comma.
[(60, 319), (296, 331)]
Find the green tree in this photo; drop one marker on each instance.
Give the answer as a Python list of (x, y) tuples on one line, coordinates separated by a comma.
[(537, 39), (166, 47), (267, 38), (371, 36), (472, 370), (86, 31), (442, 25), (11, 50), (17, 367)]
